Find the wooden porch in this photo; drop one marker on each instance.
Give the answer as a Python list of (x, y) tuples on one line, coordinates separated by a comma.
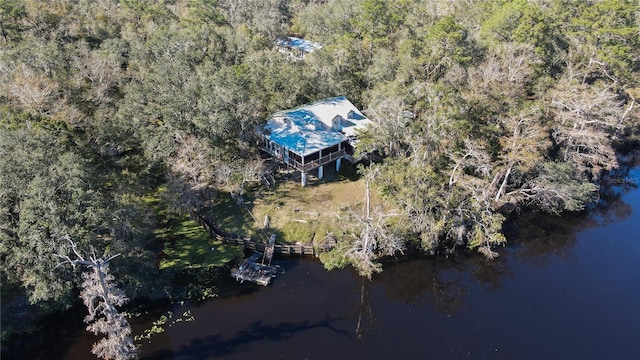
[(308, 162), (313, 164)]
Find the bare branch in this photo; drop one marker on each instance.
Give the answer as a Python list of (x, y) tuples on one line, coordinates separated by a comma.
[(101, 296)]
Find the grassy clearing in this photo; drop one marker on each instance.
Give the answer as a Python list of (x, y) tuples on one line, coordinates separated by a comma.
[(186, 243), (232, 218), (190, 246), (296, 213)]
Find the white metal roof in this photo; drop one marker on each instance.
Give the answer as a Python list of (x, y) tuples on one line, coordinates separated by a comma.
[(311, 127)]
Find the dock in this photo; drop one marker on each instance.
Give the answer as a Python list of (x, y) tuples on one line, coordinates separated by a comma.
[(251, 270), (257, 272)]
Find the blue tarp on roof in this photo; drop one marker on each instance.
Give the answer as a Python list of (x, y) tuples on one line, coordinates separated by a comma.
[(301, 132), (314, 126), (297, 43)]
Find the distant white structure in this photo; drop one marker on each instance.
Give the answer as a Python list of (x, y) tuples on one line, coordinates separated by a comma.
[(295, 47), (313, 135)]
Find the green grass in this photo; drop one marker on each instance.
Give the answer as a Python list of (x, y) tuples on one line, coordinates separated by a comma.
[(296, 213), (233, 218), (186, 244), (190, 246)]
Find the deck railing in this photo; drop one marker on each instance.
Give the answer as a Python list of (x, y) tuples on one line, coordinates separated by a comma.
[(310, 165)]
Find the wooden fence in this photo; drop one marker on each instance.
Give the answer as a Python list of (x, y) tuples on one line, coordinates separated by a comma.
[(279, 249)]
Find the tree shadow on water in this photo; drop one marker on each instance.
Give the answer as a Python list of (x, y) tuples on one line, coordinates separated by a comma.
[(421, 280), (218, 346)]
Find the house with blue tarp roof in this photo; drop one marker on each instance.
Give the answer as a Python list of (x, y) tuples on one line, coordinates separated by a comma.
[(297, 48), (314, 135)]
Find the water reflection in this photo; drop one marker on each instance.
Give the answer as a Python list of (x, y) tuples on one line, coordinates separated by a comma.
[(489, 273), (540, 237), (611, 205), (366, 320), (615, 186), (410, 281), (217, 345)]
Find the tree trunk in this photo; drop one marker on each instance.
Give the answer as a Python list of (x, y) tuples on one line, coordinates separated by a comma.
[(504, 182)]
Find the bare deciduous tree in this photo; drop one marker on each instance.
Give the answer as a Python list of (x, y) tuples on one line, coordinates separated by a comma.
[(473, 157), (557, 187), (524, 145), (101, 296), (371, 236), (35, 92), (483, 223), (265, 16), (588, 119), (234, 177)]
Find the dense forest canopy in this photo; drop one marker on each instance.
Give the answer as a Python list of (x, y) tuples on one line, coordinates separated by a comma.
[(481, 109)]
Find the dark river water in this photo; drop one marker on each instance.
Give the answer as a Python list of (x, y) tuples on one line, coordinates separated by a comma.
[(564, 288)]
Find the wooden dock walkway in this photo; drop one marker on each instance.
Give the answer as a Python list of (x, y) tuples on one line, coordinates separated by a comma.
[(249, 244), (250, 269)]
